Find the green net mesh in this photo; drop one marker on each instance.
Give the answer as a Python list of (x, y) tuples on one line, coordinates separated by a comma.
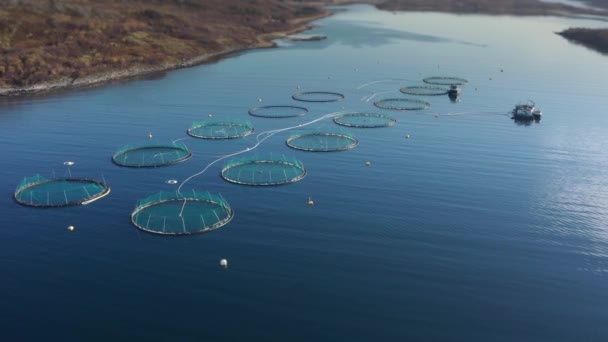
[(38, 191), (402, 104), (263, 170), (364, 120), (181, 213), (442, 80), (151, 154), (424, 90), (318, 96), (218, 129), (322, 141)]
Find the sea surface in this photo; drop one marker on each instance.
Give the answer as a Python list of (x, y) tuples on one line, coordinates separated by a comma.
[(476, 228)]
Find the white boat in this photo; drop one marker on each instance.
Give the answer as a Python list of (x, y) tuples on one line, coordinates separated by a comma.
[(526, 111)]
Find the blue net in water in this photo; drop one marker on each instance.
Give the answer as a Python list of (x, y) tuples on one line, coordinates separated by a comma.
[(151, 154), (263, 170), (38, 191), (181, 213)]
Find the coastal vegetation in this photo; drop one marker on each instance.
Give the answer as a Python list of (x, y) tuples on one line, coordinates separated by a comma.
[(48, 44), (44, 41)]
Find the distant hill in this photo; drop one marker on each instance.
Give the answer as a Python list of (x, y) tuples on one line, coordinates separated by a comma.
[(496, 7), (596, 39), (64, 41)]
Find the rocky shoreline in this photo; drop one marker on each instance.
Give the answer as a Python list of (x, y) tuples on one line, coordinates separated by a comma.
[(264, 41)]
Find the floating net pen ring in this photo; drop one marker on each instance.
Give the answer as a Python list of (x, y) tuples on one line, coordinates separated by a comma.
[(151, 155), (263, 172), (278, 111), (177, 213), (364, 120), (43, 192), (322, 142), (424, 90), (445, 80), (402, 104), (220, 130), (318, 96)]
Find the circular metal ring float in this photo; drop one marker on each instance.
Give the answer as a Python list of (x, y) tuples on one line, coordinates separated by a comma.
[(445, 80), (402, 104), (43, 192), (217, 130), (265, 171), (364, 120), (176, 213), (151, 155), (424, 91), (318, 96), (322, 142), (278, 111)]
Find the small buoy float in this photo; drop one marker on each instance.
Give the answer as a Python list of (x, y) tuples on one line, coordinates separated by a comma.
[(224, 263), (68, 163), (368, 163), (150, 135), (310, 201), (210, 115), (297, 87), (259, 99), (172, 181), (436, 115), (501, 70), (71, 228), (407, 136)]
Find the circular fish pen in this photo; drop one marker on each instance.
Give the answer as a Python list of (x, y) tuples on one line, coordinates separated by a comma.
[(181, 213), (278, 111), (151, 155), (318, 96), (424, 90), (322, 142), (263, 171), (402, 104), (216, 130), (38, 191), (445, 80), (364, 120)]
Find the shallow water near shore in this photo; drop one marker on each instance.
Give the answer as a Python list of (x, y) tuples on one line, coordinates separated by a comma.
[(474, 228)]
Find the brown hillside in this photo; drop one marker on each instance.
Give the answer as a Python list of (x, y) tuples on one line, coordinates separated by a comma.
[(51, 40)]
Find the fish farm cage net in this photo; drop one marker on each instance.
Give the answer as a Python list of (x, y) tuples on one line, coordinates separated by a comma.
[(181, 213), (445, 80), (216, 129), (364, 120), (278, 111), (322, 141), (263, 170), (318, 96), (151, 155), (38, 191), (424, 90), (402, 104)]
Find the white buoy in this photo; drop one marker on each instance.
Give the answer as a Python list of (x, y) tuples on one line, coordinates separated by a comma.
[(224, 263), (368, 163), (68, 163), (71, 228), (150, 135), (210, 115), (259, 99)]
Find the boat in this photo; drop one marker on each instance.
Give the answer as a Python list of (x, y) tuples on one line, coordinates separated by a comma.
[(454, 91), (526, 111)]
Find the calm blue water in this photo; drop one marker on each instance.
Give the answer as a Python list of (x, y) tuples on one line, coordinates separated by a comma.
[(473, 229)]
